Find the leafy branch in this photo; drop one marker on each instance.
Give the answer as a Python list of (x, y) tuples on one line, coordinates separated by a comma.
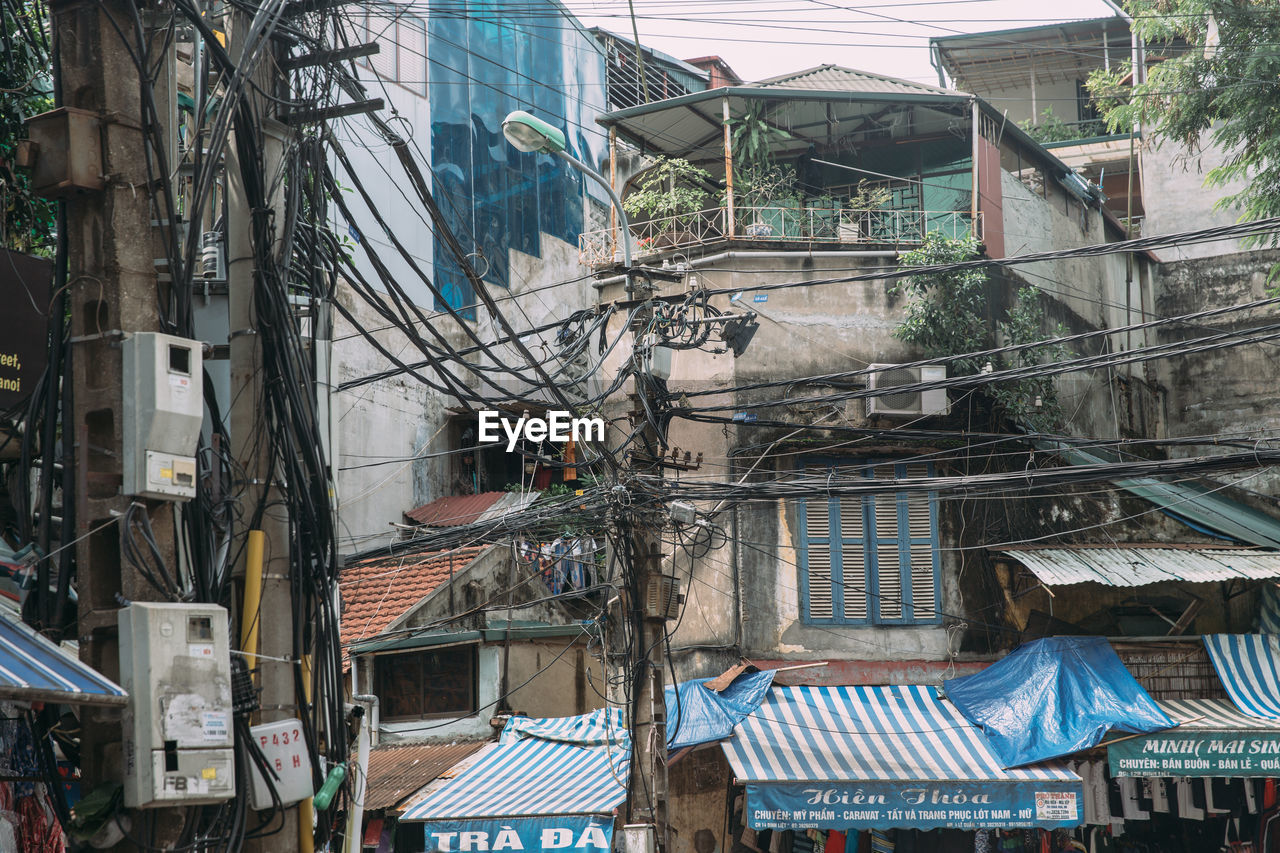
[(947, 314)]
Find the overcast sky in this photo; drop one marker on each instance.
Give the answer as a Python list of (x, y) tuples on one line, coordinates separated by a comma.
[(766, 38)]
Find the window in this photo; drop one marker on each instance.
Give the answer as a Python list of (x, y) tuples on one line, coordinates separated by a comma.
[(425, 684), (403, 38), (869, 559)]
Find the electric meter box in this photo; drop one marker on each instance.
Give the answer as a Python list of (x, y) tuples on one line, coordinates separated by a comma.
[(163, 389), (175, 662)]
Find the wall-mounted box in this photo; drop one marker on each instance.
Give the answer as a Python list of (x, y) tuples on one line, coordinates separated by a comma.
[(163, 410), (175, 662), (68, 152)]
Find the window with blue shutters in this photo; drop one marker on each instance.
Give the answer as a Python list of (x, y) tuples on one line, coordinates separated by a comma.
[(869, 559)]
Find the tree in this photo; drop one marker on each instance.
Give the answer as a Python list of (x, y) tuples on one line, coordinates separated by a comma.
[(1218, 72), (26, 220), (947, 314)]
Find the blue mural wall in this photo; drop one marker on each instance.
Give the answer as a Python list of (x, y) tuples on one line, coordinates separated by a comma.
[(486, 61)]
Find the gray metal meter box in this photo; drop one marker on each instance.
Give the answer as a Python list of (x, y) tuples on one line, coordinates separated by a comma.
[(163, 410), (175, 663)]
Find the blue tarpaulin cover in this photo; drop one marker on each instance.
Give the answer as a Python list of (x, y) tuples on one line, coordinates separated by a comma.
[(1054, 696), (701, 715)]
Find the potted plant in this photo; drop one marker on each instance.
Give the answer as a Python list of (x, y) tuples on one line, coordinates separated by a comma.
[(668, 195), (769, 198)]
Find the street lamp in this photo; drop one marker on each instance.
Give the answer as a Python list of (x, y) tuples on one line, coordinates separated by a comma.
[(531, 134)]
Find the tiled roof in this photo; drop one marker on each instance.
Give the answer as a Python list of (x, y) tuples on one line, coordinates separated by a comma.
[(377, 591), (396, 772), (468, 509), (834, 78)]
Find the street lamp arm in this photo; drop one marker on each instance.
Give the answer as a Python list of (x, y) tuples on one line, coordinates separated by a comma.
[(623, 222)]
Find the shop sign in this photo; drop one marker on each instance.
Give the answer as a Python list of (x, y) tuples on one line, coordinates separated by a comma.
[(571, 833), (886, 805), (1177, 753)]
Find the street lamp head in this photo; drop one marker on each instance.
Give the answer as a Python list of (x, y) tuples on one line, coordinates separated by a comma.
[(529, 133)]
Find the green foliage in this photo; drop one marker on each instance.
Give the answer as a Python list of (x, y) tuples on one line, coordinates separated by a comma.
[(752, 138), (869, 197), (672, 186), (947, 314), (765, 185), (1227, 88), (27, 221), (1049, 128)]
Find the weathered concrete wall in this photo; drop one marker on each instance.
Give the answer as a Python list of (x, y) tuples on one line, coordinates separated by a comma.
[(746, 599), (392, 427), (1228, 392), (698, 783), (568, 682), (381, 427), (1176, 198)]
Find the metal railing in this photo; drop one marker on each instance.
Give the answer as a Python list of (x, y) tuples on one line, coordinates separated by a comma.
[(833, 226)]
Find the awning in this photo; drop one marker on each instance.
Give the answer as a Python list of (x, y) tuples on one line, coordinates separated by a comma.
[(1212, 739), (1053, 697), (1247, 665), (698, 714), (885, 757), (547, 781), (32, 669), (1139, 565)]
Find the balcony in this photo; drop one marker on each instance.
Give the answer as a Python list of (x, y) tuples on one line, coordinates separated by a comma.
[(834, 227)]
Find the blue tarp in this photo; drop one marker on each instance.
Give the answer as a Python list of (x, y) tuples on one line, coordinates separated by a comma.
[(700, 715), (1053, 697)]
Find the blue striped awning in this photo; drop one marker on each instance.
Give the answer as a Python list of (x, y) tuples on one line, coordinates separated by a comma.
[(882, 757), (551, 766), (1249, 666), (32, 669)]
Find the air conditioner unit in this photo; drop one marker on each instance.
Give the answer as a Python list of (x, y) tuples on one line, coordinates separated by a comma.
[(913, 404)]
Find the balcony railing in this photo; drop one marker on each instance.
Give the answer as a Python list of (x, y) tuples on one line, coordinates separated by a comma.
[(791, 224)]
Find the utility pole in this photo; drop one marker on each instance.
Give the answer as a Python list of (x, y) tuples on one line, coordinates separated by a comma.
[(647, 785), (111, 245), (250, 443)]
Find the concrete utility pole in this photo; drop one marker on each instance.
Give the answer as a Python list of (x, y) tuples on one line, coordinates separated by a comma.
[(647, 785), (250, 443), (112, 246)]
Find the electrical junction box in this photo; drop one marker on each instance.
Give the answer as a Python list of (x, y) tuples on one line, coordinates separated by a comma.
[(163, 410), (175, 663), (286, 751)]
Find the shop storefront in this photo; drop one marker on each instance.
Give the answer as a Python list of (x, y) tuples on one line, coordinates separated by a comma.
[(850, 758), (549, 784)]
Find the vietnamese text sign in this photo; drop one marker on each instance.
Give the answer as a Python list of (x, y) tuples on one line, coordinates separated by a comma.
[(24, 346), (1189, 753), (571, 833), (920, 805)]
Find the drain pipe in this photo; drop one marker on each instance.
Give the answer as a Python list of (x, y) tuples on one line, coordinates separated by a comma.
[(353, 842)]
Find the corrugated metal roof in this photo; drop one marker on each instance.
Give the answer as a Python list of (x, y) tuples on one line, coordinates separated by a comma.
[(34, 669), (454, 510), (835, 78), (398, 772), (1140, 565), (457, 510)]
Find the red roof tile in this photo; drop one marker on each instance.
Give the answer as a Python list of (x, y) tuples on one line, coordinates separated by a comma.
[(396, 772), (454, 510), (378, 591)]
